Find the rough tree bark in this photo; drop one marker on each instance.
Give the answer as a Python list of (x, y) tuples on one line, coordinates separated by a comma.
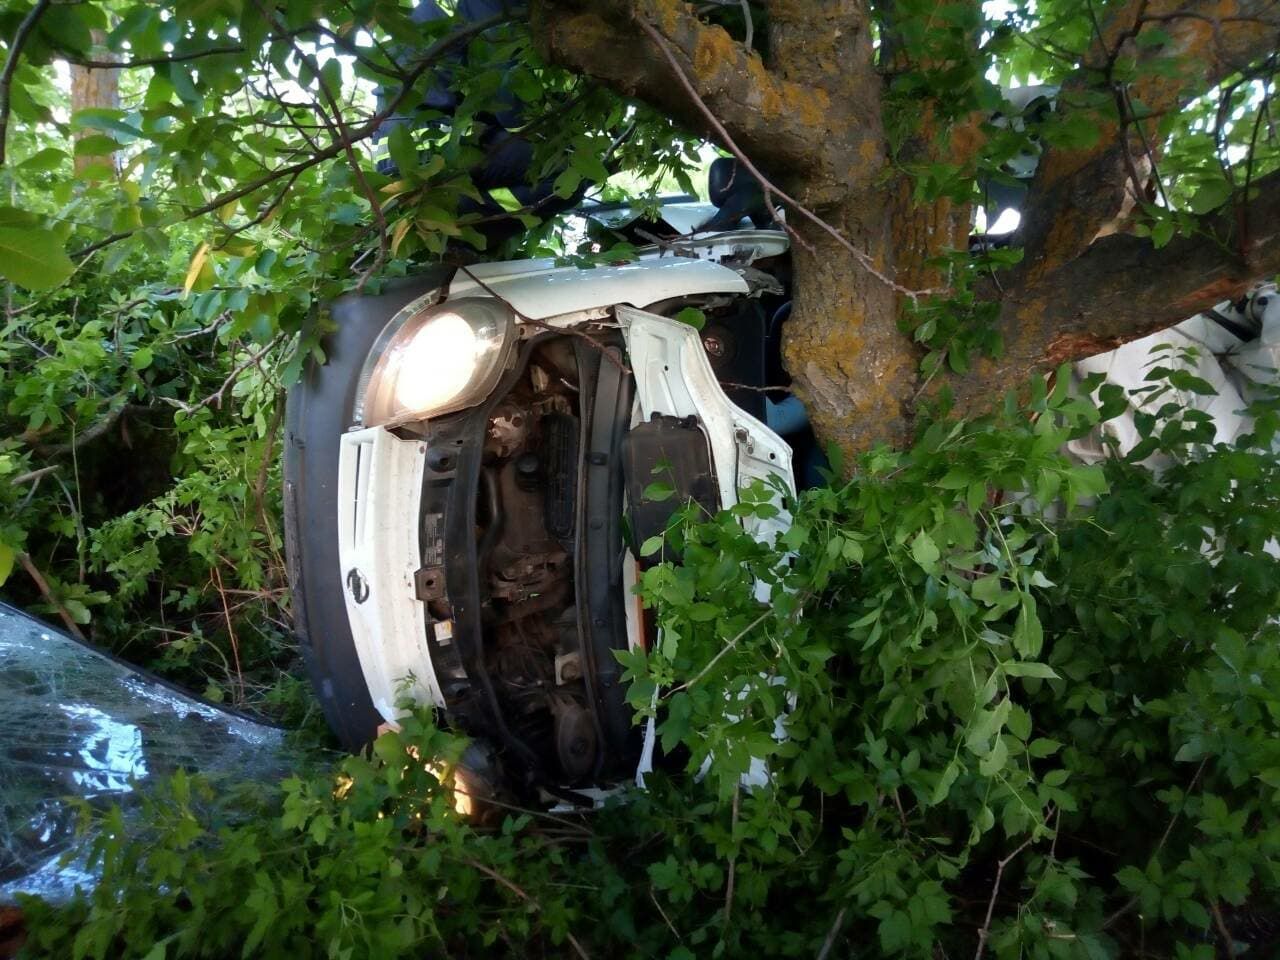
[(811, 119), (93, 87)]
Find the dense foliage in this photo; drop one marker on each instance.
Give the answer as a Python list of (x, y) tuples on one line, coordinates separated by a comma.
[(167, 260), (1043, 720), (1011, 724)]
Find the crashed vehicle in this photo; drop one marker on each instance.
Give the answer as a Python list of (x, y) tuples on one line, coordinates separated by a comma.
[(464, 478), (459, 470), (464, 475)]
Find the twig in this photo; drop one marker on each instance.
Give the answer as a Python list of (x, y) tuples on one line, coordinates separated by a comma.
[(723, 650), (342, 134), (733, 861), (1164, 838), (1228, 943), (1248, 170), (750, 30), (834, 932), (218, 395), (985, 931), (11, 66), (147, 61), (259, 491), (43, 586), (436, 50), (731, 385), (495, 876), (770, 189), (231, 631), (34, 475), (670, 926), (262, 215), (116, 408)]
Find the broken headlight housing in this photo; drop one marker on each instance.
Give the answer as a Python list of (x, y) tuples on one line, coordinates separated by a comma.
[(435, 359)]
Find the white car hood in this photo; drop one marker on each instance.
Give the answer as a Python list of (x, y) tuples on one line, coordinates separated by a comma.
[(539, 289)]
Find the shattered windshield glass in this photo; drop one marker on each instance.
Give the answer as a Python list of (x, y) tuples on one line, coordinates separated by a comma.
[(76, 724)]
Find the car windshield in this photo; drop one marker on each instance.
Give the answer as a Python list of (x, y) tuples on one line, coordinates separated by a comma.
[(78, 725)]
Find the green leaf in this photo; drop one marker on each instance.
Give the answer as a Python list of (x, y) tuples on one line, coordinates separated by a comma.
[(1195, 914), (7, 555), (994, 761), (943, 786), (1028, 635), (651, 546), (895, 932), (33, 258), (404, 152), (925, 552), (1028, 668), (693, 317), (44, 161), (1043, 747), (658, 491), (1211, 195), (567, 183)]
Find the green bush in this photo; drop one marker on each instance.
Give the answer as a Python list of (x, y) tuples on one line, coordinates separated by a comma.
[(1039, 724)]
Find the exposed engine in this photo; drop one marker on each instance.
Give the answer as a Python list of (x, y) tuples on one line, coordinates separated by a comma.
[(525, 519)]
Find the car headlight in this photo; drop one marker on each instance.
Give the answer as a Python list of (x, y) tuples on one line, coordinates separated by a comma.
[(435, 359)]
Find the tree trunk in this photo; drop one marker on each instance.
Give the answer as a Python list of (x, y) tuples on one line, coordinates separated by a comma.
[(94, 88), (810, 119)]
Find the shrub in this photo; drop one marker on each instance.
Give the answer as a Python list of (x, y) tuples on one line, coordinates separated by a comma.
[(1038, 724)]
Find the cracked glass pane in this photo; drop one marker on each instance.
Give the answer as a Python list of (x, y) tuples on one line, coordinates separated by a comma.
[(74, 723)]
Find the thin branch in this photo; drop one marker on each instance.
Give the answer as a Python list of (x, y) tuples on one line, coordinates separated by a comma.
[(342, 134), (716, 659), (216, 398), (259, 489), (262, 215), (834, 932), (733, 862), (1164, 838), (148, 61), (33, 475), (19, 40), (436, 50), (231, 631), (1228, 943), (495, 876), (770, 189), (43, 586), (985, 931), (116, 407), (1253, 147), (670, 926)]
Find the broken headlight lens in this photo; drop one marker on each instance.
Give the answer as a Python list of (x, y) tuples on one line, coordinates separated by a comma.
[(432, 360)]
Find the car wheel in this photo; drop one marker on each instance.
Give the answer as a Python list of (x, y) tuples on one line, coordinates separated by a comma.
[(319, 409)]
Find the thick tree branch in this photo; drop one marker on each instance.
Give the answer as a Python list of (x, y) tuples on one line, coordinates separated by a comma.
[(1123, 288), (771, 192), (785, 125), (1078, 192)]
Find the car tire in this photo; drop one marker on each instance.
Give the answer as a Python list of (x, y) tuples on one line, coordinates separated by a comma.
[(318, 411)]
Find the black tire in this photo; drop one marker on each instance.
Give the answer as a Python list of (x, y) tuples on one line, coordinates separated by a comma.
[(318, 411)]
